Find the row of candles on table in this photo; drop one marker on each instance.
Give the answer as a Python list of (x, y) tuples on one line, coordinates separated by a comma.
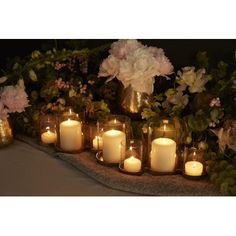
[(110, 138)]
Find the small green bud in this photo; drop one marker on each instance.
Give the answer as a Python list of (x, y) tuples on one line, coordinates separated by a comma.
[(203, 145)]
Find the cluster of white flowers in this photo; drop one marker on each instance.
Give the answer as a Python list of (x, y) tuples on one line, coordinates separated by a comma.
[(135, 65), (176, 97), (194, 80)]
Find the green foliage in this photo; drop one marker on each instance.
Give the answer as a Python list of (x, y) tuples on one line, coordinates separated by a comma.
[(222, 172), (55, 79), (197, 123), (202, 60)]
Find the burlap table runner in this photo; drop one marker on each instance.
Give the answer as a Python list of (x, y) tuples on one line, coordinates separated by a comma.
[(146, 184)]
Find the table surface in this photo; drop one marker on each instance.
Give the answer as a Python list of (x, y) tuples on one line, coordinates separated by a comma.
[(26, 171)]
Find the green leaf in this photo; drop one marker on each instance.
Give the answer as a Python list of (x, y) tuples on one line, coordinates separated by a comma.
[(197, 123), (202, 59), (148, 114), (3, 79), (33, 75), (214, 114)]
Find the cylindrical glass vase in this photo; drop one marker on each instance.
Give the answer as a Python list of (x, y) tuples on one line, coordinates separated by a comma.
[(113, 130), (48, 129), (194, 164), (162, 147), (132, 160), (70, 135)]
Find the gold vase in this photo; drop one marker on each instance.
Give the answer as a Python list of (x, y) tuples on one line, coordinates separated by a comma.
[(133, 102), (6, 136)]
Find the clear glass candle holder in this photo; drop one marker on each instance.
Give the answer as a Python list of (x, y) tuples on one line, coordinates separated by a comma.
[(112, 130), (48, 129), (162, 147), (194, 163), (92, 139), (132, 160), (70, 132)]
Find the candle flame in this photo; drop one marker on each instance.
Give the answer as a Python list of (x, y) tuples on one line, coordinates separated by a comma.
[(70, 111), (47, 128), (115, 121), (130, 148), (164, 127)]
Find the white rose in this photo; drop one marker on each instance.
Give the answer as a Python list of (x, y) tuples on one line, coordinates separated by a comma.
[(188, 76), (199, 83)]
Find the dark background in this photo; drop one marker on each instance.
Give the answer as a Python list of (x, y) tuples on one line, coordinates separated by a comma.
[(181, 52)]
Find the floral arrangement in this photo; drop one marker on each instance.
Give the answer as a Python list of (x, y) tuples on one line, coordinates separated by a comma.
[(12, 99), (202, 101), (201, 98), (135, 65), (53, 80)]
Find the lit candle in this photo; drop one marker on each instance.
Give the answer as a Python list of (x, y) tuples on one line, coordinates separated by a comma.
[(112, 150), (97, 142), (48, 136), (114, 122), (70, 135), (165, 130), (193, 168), (132, 164), (163, 155)]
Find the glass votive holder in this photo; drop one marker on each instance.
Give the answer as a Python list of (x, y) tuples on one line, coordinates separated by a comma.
[(48, 129), (70, 134), (132, 160), (112, 130), (162, 148), (194, 164), (92, 139)]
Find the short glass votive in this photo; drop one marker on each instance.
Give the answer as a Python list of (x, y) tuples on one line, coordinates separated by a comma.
[(112, 130), (48, 129), (70, 134), (132, 160), (194, 164), (162, 147)]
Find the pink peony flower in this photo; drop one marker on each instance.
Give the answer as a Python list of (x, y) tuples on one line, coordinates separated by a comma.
[(123, 47), (135, 65), (3, 112), (164, 65), (14, 98), (109, 67)]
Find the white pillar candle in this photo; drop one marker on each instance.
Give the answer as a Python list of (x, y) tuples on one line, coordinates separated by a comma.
[(193, 168), (163, 155), (112, 150), (48, 137), (70, 135), (132, 164), (97, 142)]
